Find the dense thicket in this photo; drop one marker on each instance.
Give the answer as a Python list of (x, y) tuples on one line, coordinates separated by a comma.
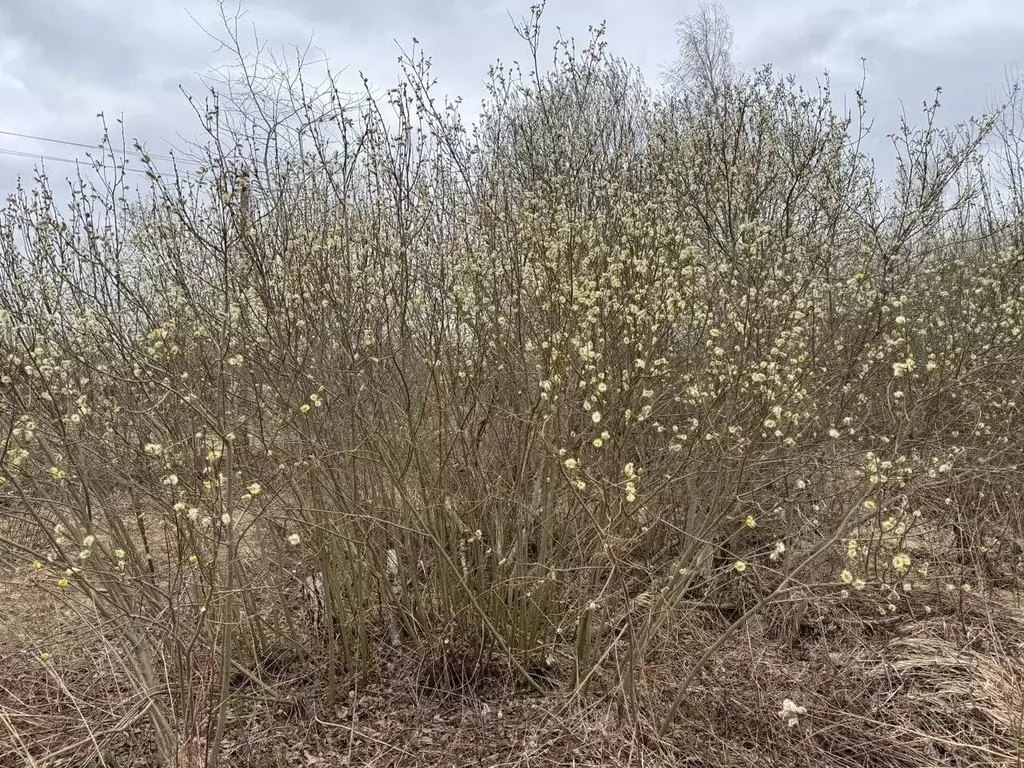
[(522, 394)]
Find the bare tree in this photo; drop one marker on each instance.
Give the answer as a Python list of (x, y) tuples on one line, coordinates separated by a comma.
[(704, 63)]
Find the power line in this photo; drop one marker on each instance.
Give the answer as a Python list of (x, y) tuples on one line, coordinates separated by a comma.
[(54, 158), (167, 158)]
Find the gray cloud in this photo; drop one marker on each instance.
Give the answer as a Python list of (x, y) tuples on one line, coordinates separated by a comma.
[(63, 61)]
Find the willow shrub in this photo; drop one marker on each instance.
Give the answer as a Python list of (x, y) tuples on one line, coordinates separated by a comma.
[(517, 392)]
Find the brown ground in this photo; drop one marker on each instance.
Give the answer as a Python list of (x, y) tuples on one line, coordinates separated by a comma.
[(937, 682)]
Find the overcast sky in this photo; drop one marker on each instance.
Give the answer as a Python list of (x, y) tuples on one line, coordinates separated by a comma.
[(63, 61)]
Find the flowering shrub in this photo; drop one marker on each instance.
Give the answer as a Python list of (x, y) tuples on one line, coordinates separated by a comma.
[(486, 385)]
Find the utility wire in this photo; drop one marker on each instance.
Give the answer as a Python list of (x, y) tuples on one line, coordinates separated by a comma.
[(54, 158), (167, 158)]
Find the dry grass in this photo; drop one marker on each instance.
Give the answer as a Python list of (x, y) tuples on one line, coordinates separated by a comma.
[(937, 683)]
